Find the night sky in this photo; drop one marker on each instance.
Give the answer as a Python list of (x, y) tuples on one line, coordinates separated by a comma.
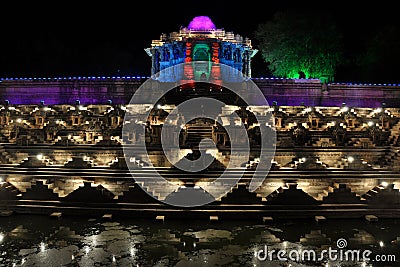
[(71, 39)]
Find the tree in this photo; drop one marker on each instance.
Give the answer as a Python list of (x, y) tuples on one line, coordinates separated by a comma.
[(299, 44)]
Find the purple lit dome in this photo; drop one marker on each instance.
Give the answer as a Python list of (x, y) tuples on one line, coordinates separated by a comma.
[(201, 23)]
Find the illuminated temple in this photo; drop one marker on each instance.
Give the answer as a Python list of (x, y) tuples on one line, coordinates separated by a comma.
[(200, 41), (337, 144)]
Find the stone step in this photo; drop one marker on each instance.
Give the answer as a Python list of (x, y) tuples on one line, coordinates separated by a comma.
[(371, 218), (320, 219), (56, 215)]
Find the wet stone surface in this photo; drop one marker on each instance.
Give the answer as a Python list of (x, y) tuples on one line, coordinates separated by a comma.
[(34, 240)]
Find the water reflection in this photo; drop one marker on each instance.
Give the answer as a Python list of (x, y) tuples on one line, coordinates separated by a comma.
[(77, 241)]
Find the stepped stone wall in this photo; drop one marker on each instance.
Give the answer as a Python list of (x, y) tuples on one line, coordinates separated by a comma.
[(337, 147)]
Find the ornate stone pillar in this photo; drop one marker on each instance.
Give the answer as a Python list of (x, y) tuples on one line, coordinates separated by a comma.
[(246, 63), (154, 66)]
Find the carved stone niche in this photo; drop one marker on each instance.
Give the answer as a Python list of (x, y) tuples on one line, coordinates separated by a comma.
[(4, 120), (314, 118), (300, 135), (351, 120), (116, 121), (385, 120), (39, 120), (76, 120), (314, 122), (278, 122)]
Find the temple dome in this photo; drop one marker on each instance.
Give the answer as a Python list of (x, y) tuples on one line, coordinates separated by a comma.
[(201, 23)]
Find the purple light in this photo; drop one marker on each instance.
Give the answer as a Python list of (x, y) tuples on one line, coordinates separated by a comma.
[(201, 23)]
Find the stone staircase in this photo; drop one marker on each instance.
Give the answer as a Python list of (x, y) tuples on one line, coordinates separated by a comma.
[(290, 194), (252, 164), (21, 185), (275, 193), (217, 189), (372, 192), (392, 158), (62, 141), (158, 190), (5, 157), (137, 162), (394, 134), (313, 187), (326, 141), (358, 128), (51, 185), (342, 163), (336, 188), (356, 164), (98, 162), (363, 142), (113, 162), (36, 161), (79, 162), (35, 139), (9, 188), (326, 192), (340, 193), (352, 141), (89, 160), (306, 163), (198, 132), (27, 140), (223, 157), (266, 189), (47, 160)]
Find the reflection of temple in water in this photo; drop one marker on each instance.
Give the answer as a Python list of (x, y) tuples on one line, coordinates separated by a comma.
[(337, 149)]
